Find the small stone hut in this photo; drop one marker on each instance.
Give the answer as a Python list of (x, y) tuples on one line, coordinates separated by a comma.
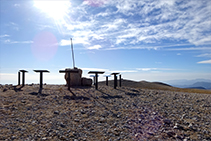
[(76, 79)]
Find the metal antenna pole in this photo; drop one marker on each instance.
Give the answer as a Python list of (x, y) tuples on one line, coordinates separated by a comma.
[(72, 53)]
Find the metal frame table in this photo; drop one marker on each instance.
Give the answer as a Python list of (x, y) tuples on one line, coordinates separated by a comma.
[(41, 76), (68, 71), (23, 77), (96, 77), (107, 79), (115, 79), (120, 80)]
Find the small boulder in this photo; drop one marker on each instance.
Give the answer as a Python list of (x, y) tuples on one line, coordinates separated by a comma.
[(4, 90), (86, 82), (167, 121), (56, 112)]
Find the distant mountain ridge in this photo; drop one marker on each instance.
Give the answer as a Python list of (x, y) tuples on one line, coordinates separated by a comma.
[(201, 88), (141, 84), (157, 86), (181, 82), (205, 85)]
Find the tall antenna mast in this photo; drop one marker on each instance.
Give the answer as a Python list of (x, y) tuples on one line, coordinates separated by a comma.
[(72, 53)]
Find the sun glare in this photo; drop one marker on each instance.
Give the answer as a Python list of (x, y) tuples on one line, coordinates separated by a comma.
[(56, 9)]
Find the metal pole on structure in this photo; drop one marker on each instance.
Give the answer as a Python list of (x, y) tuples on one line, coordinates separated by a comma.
[(19, 77), (120, 80), (23, 78), (96, 81), (72, 53), (106, 80), (41, 76)]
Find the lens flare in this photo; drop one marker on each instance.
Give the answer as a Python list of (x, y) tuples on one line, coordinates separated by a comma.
[(44, 46)]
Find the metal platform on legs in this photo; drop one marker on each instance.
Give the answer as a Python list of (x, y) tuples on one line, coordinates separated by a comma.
[(96, 77), (41, 76), (115, 79), (23, 77)]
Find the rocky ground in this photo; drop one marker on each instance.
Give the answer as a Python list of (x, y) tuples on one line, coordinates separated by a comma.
[(106, 114)]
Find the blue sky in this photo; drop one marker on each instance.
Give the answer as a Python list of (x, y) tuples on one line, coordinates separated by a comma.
[(153, 40)]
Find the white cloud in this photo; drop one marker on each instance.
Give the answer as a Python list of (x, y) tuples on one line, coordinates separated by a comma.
[(132, 47), (114, 25), (126, 7), (164, 76), (8, 41), (156, 47), (79, 25), (154, 69), (95, 47), (125, 23), (13, 25), (146, 69), (17, 5), (94, 69), (88, 52), (205, 40), (65, 42), (94, 3), (204, 55), (75, 41), (123, 71), (5, 35), (109, 71), (104, 14), (205, 62), (44, 26), (192, 48)]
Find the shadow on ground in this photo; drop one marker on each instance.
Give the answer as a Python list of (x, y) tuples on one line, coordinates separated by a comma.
[(39, 93), (107, 96), (17, 88), (76, 97), (131, 94)]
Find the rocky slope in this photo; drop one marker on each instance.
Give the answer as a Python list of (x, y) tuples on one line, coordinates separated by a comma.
[(106, 114)]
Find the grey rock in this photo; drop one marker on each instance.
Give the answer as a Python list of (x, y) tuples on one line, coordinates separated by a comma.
[(4, 90), (171, 133), (76, 120), (56, 112), (178, 126), (44, 138), (23, 101), (13, 137), (183, 116), (191, 127), (150, 133), (178, 137), (167, 121), (83, 112), (62, 125), (86, 81)]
